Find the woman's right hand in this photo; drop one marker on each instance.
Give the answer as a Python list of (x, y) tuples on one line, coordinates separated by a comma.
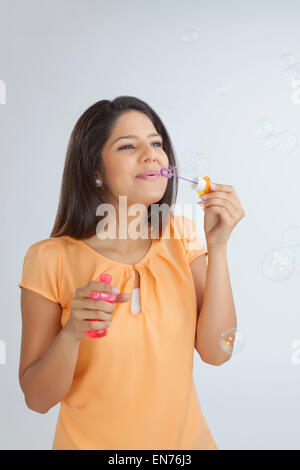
[(83, 308)]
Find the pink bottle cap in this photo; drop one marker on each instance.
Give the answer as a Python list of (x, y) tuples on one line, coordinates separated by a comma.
[(105, 278)]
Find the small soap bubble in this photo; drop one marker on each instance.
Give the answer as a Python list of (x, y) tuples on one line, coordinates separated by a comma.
[(293, 71), (2, 92), (295, 358), (189, 161), (295, 96), (272, 142), (2, 352), (291, 235), (295, 83), (287, 142), (286, 60), (202, 166), (262, 128), (222, 89), (278, 265), (190, 35), (174, 170), (232, 341)]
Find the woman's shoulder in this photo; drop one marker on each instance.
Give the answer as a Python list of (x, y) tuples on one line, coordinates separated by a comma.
[(186, 231), (42, 269), (46, 248), (180, 229), (182, 225)]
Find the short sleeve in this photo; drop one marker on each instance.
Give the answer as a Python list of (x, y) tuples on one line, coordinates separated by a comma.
[(42, 269), (193, 244)]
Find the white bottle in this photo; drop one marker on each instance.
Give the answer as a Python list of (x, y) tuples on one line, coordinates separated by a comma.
[(201, 185)]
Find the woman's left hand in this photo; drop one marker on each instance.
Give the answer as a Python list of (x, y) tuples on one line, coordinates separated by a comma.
[(222, 212)]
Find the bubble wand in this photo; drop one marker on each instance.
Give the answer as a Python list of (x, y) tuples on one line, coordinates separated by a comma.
[(201, 184)]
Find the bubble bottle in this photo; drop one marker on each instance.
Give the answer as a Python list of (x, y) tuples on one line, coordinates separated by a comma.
[(102, 296), (201, 184)]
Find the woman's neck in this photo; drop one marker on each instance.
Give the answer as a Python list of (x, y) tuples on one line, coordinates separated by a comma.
[(120, 246)]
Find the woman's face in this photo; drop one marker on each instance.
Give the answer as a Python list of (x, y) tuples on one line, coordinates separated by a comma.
[(125, 159)]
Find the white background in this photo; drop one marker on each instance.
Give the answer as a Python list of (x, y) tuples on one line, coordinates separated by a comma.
[(57, 58)]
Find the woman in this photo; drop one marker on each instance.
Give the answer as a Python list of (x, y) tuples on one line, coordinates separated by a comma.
[(132, 388)]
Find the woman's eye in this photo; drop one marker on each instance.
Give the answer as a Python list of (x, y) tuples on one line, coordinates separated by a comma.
[(129, 145)]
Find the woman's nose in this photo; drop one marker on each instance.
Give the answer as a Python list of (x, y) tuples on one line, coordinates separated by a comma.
[(152, 157)]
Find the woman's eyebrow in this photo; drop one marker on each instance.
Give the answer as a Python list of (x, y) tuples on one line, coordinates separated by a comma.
[(134, 137)]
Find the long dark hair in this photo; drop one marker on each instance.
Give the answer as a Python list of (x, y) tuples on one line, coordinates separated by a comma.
[(79, 195)]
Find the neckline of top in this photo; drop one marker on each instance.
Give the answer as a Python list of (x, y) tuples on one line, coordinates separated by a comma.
[(117, 263)]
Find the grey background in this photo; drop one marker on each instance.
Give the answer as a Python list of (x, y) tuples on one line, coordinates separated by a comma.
[(59, 57)]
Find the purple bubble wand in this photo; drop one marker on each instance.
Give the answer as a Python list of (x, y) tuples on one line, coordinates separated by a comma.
[(168, 173)]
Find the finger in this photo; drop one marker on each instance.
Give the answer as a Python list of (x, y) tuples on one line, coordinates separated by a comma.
[(123, 297), (94, 286), (223, 213), (214, 194), (94, 325), (227, 188), (218, 201), (218, 198), (86, 314), (220, 194), (223, 204), (95, 304), (99, 315)]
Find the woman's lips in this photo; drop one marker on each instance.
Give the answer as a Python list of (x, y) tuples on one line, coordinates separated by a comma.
[(149, 177)]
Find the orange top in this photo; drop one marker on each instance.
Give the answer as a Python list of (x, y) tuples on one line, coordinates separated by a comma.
[(134, 387)]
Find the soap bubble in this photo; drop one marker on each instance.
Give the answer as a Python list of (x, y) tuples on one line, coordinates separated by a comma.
[(278, 265), (291, 235), (295, 358), (189, 161), (2, 92), (287, 142), (293, 71), (190, 35), (295, 96), (2, 352), (203, 166), (286, 60), (295, 83), (222, 88), (232, 341), (272, 142), (262, 128)]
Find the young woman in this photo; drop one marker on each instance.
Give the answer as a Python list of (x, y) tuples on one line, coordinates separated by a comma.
[(132, 388)]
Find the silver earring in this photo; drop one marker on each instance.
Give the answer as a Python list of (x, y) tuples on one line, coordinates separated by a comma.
[(98, 182)]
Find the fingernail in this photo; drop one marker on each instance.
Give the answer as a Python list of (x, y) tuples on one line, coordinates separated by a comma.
[(213, 185), (115, 290)]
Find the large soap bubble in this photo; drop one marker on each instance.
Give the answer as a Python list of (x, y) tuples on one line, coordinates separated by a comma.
[(232, 341)]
